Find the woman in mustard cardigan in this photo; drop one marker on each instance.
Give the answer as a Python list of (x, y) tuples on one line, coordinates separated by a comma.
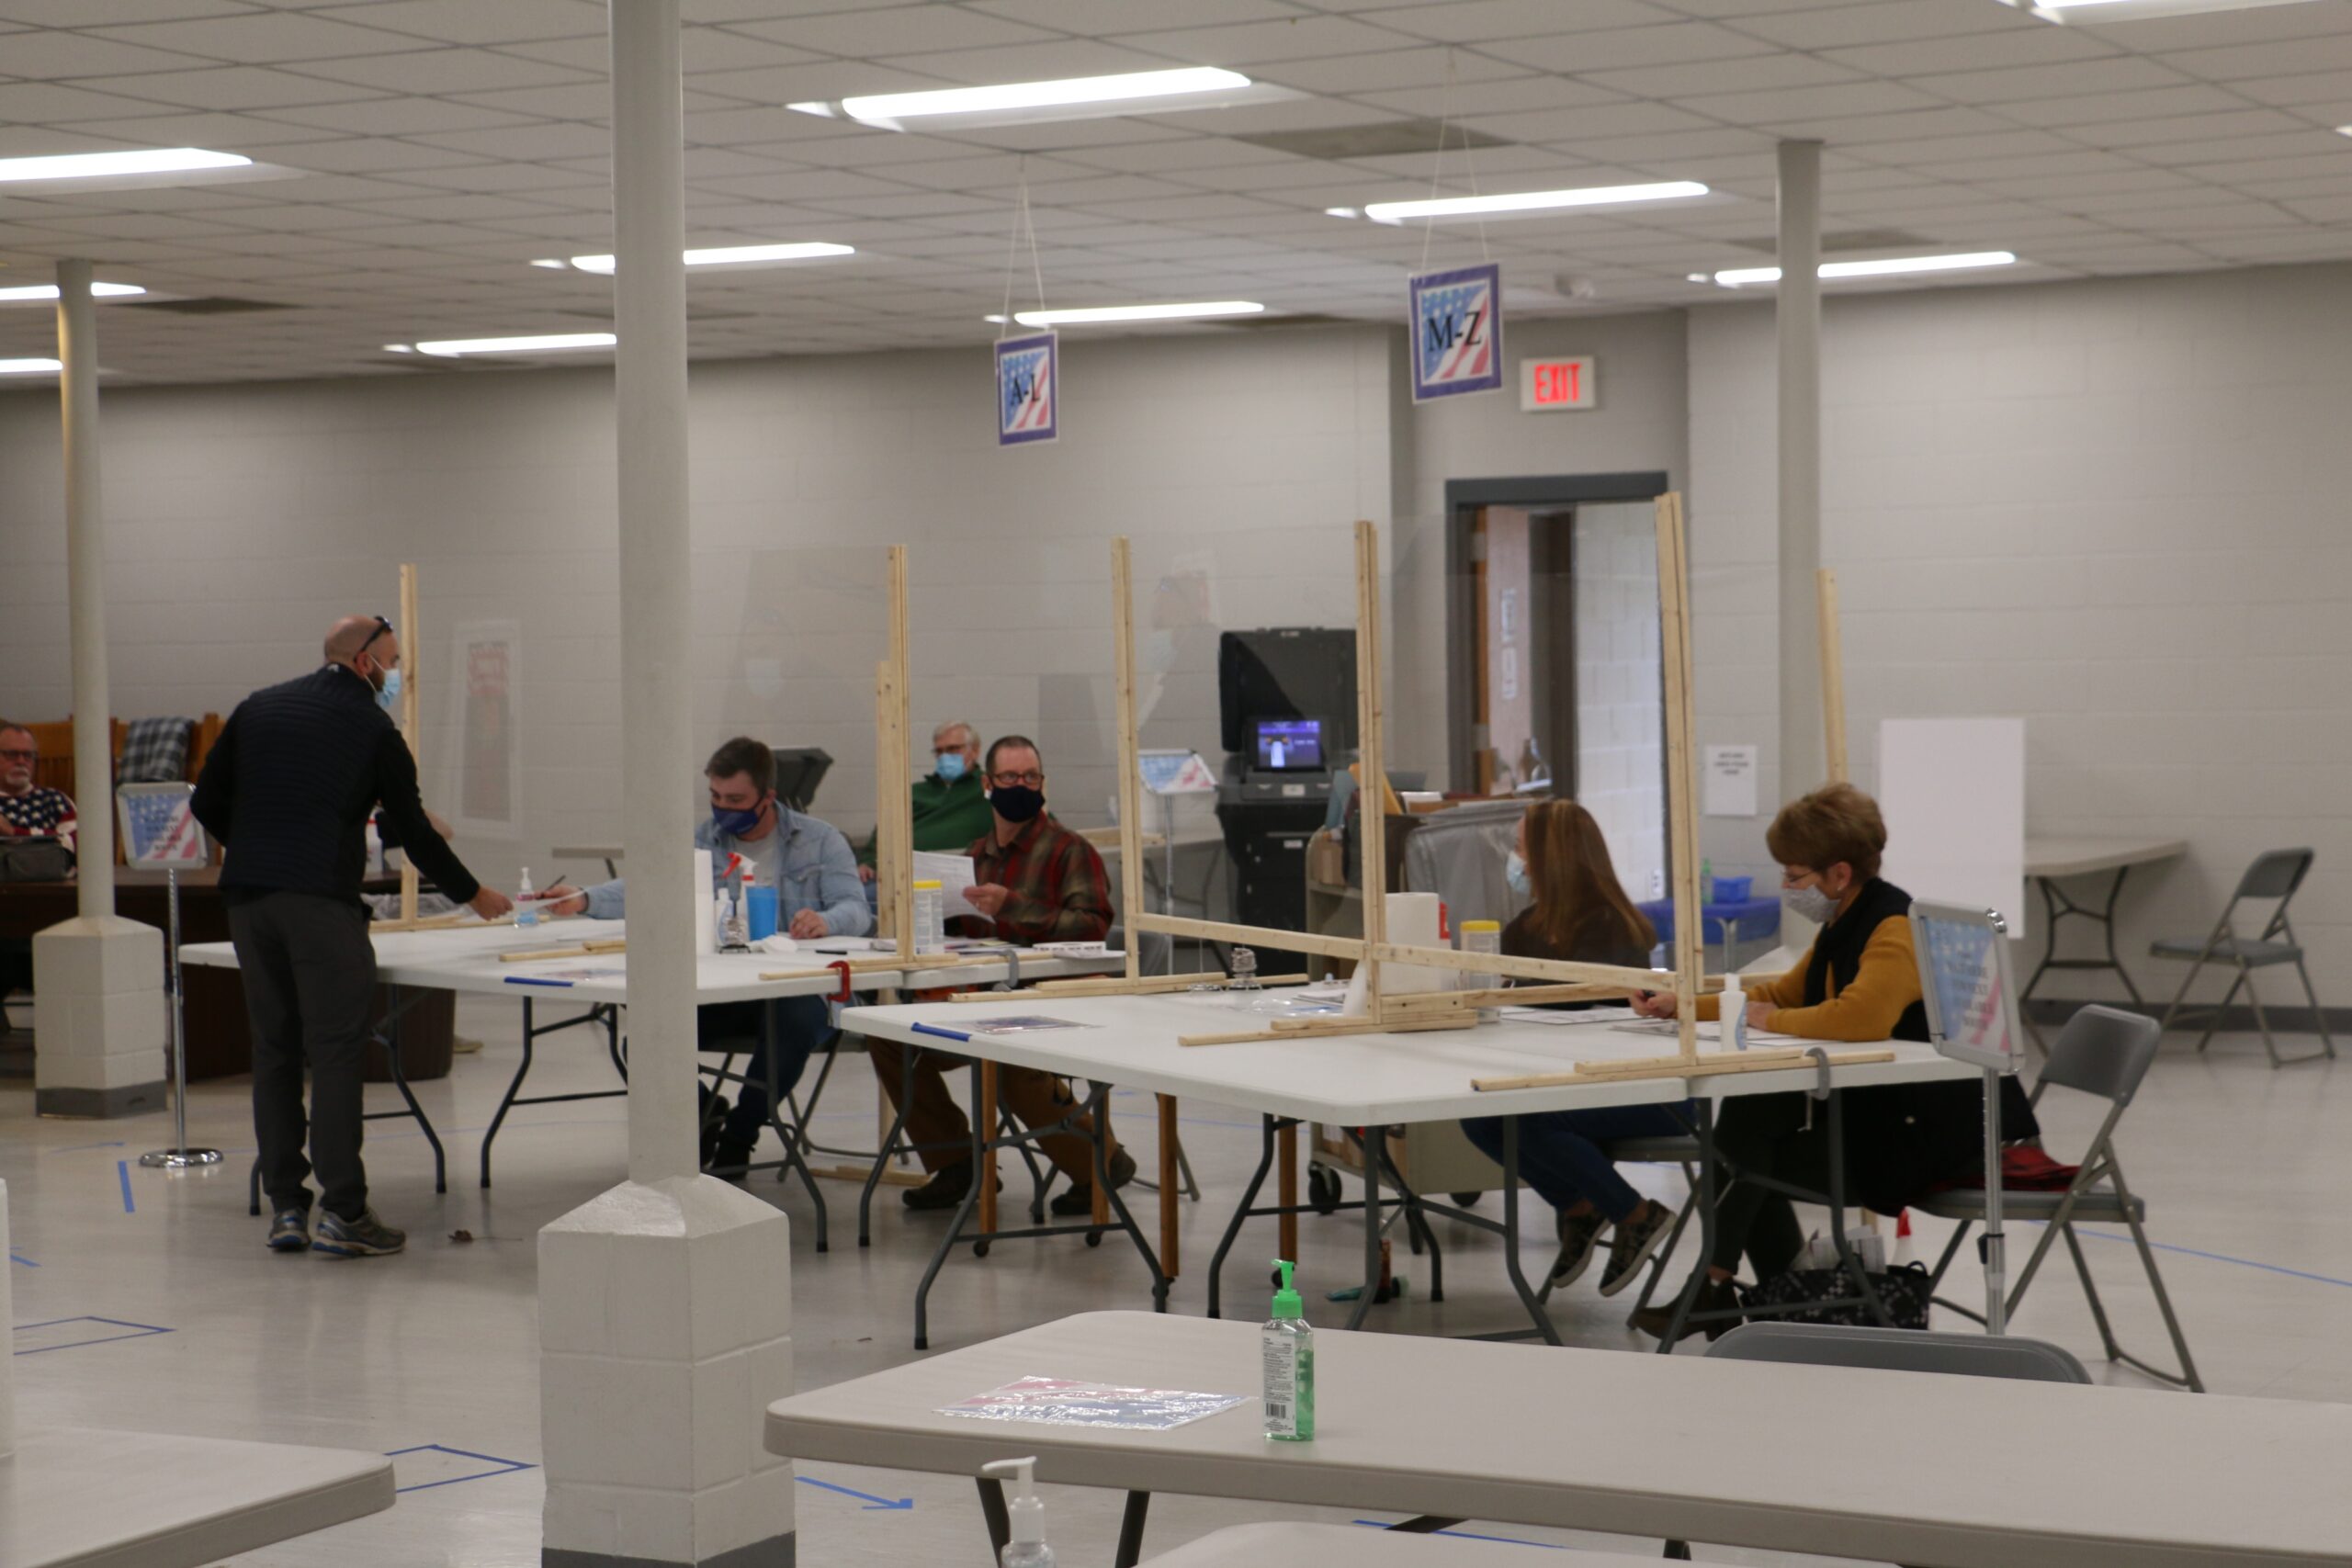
[(1857, 982)]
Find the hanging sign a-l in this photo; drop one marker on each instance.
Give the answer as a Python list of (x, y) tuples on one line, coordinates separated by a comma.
[(1457, 327), (1028, 390)]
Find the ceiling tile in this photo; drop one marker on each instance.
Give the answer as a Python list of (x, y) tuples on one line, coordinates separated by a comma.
[(230, 87), (2074, 79), (1250, 44), (444, 70), (1743, 75), (878, 30), (102, 12), (474, 22), (1678, 43), (526, 143), (1107, 18), (1833, 101), (2196, 98), (2235, 63), (395, 117), (1483, 21), (274, 38), (1985, 51), (1885, 21)]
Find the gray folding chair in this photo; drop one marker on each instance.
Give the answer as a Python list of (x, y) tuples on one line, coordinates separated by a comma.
[(2273, 875), (1900, 1351), (2105, 1051), (1892, 1350)]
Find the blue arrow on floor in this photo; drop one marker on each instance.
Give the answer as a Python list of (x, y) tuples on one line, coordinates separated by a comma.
[(871, 1501)]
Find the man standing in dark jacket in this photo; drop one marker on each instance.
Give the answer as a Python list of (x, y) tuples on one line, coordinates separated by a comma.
[(288, 790)]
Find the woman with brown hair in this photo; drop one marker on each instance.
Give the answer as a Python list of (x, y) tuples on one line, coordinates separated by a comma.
[(1581, 914), (1858, 981)]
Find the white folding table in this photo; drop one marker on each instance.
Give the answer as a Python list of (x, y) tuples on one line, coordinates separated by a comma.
[(1925, 1468), (76, 1497), (467, 959), (2054, 858), (1355, 1081), (1353, 1546)]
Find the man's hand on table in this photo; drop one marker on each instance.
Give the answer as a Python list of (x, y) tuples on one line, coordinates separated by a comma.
[(808, 925), (988, 897)]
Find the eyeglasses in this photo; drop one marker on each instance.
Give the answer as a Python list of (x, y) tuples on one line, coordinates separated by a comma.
[(382, 625), (1015, 781), (28, 755)]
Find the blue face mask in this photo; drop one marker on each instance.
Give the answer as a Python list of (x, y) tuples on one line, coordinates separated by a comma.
[(1515, 872), (735, 824), (953, 766), (390, 691)]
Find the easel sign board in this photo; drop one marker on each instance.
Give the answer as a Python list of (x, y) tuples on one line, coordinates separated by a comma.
[(1175, 772), (159, 829), (1953, 794), (1966, 983)]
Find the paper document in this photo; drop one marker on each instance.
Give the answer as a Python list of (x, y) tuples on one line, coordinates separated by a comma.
[(953, 874), (1060, 1401)]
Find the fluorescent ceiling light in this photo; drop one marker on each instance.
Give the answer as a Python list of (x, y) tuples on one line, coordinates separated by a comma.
[(1885, 266), (2095, 11), (1199, 84), (49, 291), (729, 256), (1515, 203), (105, 165), (451, 348), (1096, 315), (29, 367)]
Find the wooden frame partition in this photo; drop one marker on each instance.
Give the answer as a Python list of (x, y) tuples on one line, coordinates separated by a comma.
[(412, 656)]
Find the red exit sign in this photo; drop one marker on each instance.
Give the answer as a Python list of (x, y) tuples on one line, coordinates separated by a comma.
[(1546, 385)]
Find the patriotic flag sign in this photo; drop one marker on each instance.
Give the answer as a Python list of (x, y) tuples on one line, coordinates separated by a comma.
[(158, 829), (1457, 327), (1028, 390)]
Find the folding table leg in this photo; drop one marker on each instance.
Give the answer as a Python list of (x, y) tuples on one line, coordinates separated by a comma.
[(1241, 1211), (1131, 1522)]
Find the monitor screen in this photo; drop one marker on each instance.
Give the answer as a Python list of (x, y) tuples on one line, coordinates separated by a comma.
[(1290, 745)]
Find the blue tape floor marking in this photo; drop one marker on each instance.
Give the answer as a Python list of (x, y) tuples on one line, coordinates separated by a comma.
[(139, 1331), (20, 1258), (506, 1466), (1466, 1535), (122, 1170), (872, 1502), (2209, 1257)]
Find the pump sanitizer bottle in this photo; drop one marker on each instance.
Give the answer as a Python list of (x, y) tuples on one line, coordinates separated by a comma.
[(1027, 1549), (526, 913), (1289, 1356)]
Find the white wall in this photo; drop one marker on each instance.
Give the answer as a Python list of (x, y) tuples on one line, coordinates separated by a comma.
[(2119, 509), (242, 519), (1621, 731)]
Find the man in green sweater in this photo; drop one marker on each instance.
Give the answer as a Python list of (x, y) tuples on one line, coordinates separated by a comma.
[(951, 812)]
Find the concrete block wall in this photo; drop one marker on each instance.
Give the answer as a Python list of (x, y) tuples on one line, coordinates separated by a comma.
[(1621, 734), (2121, 509)]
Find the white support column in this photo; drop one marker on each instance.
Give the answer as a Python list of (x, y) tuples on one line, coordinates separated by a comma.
[(1803, 764), (665, 1305), (99, 1016)]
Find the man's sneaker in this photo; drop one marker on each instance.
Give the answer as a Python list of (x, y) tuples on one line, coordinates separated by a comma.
[(1636, 1238), (1072, 1201), (290, 1231), (944, 1189), (366, 1237), (1579, 1236)]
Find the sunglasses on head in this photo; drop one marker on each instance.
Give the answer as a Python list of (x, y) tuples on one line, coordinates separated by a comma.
[(382, 625)]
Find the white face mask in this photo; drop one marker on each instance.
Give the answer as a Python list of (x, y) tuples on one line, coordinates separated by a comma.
[(1809, 903), (1515, 873)]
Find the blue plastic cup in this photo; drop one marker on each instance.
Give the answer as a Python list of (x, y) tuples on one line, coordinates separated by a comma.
[(759, 908)]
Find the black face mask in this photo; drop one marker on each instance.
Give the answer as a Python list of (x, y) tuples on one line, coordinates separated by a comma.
[(1018, 803)]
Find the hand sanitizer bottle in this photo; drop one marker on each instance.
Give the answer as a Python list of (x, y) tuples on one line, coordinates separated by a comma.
[(1027, 1549), (526, 913), (1289, 1353)]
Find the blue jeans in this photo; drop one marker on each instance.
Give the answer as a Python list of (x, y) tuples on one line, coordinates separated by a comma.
[(1559, 1151), (801, 1025)]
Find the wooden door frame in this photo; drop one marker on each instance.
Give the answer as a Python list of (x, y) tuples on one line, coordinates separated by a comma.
[(1464, 499)]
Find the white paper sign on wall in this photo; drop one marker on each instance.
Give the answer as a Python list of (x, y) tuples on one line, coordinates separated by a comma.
[(1731, 780)]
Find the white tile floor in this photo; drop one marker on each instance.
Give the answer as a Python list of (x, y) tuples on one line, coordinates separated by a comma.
[(2244, 1168)]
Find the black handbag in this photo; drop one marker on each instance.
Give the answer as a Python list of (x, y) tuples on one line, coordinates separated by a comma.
[(35, 860), (1902, 1290)]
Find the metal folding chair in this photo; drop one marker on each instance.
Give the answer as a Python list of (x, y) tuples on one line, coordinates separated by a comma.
[(2275, 874), (2105, 1051), (1892, 1350)]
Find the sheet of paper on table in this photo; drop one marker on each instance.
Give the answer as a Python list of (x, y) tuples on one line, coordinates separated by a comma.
[(1024, 1024), (953, 874), (1060, 1401)]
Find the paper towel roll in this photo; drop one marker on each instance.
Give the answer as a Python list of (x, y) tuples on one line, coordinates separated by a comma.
[(706, 924), (1413, 922)]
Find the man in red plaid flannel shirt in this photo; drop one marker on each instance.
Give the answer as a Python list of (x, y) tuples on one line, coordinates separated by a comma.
[(1034, 881)]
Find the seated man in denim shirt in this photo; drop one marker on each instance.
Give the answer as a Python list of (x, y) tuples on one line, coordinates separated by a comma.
[(818, 895)]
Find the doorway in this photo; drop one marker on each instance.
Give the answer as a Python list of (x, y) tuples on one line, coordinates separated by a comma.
[(1554, 673)]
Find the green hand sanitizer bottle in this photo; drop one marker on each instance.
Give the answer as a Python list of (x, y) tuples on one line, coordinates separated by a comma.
[(1289, 1353)]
